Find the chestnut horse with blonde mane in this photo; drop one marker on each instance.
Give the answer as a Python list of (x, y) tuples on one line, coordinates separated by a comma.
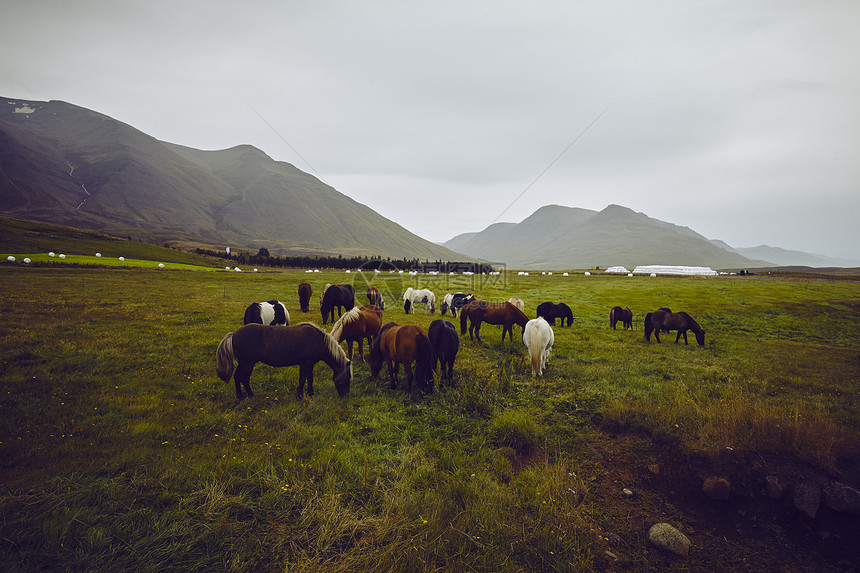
[(357, 324)]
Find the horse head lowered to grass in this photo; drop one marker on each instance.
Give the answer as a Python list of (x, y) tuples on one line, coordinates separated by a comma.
[(479, 311), (396, 344), (303, 345), (666, 321)]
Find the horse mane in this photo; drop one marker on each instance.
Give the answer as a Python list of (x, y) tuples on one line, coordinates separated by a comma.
[(694, 326), (349, 316), (521, 316), (336, 353)]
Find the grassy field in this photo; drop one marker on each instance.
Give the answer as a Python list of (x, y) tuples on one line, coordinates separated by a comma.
[(121, 450)]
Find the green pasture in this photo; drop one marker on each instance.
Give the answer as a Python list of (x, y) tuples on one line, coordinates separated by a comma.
[(121, 450)]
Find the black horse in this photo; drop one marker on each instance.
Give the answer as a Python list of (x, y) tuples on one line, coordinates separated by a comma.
[(340, 296), (550, 311), (445, 342)]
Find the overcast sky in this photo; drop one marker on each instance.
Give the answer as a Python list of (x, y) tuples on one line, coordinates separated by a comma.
[(739, 119)]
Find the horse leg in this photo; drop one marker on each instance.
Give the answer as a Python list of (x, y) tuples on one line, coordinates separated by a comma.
[(242, 377), (305, 373), (657, 334), (392, 373), (408, 371)]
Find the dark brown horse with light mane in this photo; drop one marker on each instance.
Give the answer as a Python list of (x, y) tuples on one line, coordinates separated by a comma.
[(303, 345), (374, 297), (625, 315), (357, 324), (305, 292), (397, 344), (480, 311), (666, 321)]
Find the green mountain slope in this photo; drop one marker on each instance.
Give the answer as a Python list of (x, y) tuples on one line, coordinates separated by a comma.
[(63, 164)]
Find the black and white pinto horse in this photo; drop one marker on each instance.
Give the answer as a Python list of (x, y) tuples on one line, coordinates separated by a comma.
[(455, 302), (271, 312), (424, 296)]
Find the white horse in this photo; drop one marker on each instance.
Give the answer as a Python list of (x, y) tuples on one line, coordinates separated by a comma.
[(538, 338), (424, 296), (518, 302)]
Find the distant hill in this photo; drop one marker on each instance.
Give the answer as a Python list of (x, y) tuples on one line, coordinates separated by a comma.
[(556, 237), (64, 164), (785, 257)]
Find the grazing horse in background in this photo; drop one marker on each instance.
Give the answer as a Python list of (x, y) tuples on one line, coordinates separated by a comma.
[(374, 297), (303, 345), (271, 312), (305, 292), (538, 338), (455, 302), (625, 315), (413, 296), (336, 296), (357, 324), (445, 342), (479, 311), (518, 302), (666, 321), (397, 344), (550, 311)]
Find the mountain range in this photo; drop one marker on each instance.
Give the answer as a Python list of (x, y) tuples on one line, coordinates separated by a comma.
[(64, 164)]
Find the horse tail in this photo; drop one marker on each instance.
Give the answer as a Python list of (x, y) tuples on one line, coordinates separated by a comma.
[(649, 328), (535, 353), (464, 317), (224, 358)]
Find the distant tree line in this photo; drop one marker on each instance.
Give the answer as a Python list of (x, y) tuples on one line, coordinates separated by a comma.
[(264, 258)]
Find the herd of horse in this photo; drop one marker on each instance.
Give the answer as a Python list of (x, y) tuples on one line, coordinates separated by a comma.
[(268, 337)]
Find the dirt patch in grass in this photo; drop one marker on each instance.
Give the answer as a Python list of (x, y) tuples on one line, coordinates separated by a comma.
[(749, 531)]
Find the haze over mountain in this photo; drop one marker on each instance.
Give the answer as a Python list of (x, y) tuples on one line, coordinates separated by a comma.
[(60, 163), (64, 164), (556, 237)]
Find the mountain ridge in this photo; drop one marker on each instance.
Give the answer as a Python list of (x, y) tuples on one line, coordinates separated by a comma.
[(64, 164)]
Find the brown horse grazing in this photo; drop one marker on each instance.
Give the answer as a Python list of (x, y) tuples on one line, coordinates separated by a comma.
[(303, 345), (625, 315), (397, 344), (374, 297), (479, 311), (357, 324), (305, 292), (680, 321)]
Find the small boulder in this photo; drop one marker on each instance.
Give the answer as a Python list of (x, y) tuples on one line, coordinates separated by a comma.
[(773, 487), (717, 488), (664, 536), (807, 499), (842, 498)]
